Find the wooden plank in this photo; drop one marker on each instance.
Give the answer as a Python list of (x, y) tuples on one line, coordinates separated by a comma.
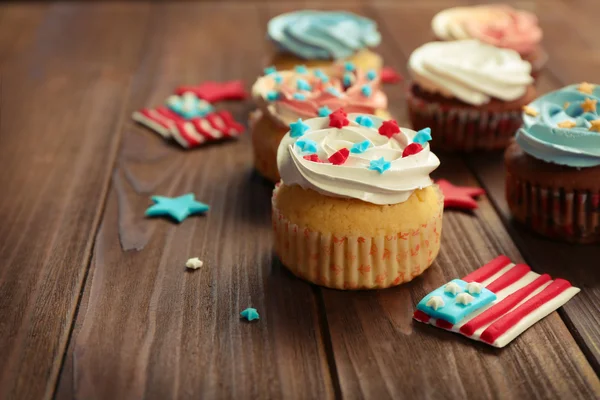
[(60, 103), (381, 353), (146, 327)]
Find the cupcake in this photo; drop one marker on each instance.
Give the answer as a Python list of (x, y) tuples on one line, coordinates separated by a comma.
[(469, 93), (356, 208), (553, 167), (319, 38), (285, 96), (495, 24)]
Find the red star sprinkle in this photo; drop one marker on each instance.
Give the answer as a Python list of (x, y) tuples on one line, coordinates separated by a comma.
[(389, 75), (313, 158), (338, 119), (411, 149), (216, 91), (459, 196), (339, 157), (389, 128), (341, 112)]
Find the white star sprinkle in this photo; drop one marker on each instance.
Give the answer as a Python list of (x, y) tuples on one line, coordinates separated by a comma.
[(464, 298), (435, 302), (452, 287), (194, 263), (474, 287)]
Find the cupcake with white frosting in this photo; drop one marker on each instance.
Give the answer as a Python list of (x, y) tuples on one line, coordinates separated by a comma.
[(469, 93), (356, 208), (321, 38), (284, 96)]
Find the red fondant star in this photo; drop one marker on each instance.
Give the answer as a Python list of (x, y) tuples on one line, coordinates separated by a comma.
[(216, 91), (459, 196), (411, 149), (389, 75), (338, 119), (389, 128), (339, 157), (313, 158)]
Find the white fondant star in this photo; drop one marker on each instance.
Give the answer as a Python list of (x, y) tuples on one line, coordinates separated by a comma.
[(474, 287), (435, 302), (464, 298), (452, 287), (194, 263)]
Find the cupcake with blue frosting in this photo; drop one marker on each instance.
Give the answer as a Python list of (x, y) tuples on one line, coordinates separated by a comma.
[(319, 38), (553, 166)]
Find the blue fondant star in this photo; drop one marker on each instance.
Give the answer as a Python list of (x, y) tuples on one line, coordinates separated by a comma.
[(423, 136), (371, 74), (178, 208), (364, 121), (250, 314), (301, 69), (380, 165), (348, 66), (324, 111), (366, 90), (361, 147), (299, 96), (272, 95), (307, 145), (298, 128), (333, 91), (347, 80), (301, 84), (188, 105), (278, 78), (270, 70)]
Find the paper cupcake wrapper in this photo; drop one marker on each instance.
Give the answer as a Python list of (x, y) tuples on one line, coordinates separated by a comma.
[(461, 129), (356, 262), (572, 216)]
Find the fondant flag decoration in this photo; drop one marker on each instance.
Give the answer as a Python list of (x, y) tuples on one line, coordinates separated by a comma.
[(495, 303)]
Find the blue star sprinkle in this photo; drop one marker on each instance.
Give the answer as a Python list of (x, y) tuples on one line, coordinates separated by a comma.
[(364, 121), (178, 208), (278, 78), (301, 84), (188, 105), (361, 147), (298, 128), (371, 75), (348, 66), (380, 165), (366, 90), (272, 95), (324, 111), (250, 314), (270, 70), (423, 136), (333, 91), (301, 69), (307, 145), (319, 74), (347, 80), (299, 96)]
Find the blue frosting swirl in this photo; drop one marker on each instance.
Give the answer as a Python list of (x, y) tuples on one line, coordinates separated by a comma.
[(323, 34), (576, 146)]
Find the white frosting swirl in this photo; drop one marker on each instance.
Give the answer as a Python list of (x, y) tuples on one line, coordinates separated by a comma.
[(471, 71), (354, 179)]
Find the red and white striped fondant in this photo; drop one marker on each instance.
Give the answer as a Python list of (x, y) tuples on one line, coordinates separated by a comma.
[(523, 298), (189, 132)]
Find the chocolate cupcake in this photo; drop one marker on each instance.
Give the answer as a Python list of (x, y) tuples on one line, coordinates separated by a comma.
[(553, 167), (469, 93)]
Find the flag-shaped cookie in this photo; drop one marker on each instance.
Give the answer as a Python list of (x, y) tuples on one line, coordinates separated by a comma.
[(495, 303)]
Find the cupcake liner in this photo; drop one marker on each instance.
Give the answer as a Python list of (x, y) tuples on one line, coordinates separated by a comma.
[(463, 129), (356, 262), (572, 216)]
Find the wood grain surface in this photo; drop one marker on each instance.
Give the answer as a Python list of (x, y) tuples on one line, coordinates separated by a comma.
[(95, 301)]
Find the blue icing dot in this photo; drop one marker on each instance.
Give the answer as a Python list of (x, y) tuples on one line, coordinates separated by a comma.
[(333, 91), (348, 66), (347, 80), (299, 96), (366, 90), (278, 78), (272, 95), (270, 70), (324, 111), (301, 84), (371, 75), (301, 69)]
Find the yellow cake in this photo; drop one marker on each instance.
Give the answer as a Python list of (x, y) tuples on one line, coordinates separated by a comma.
[(364, 59)]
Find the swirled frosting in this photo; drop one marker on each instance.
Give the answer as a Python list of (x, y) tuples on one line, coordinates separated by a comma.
[(323, 35), (289, 95), (495, 24), (470, 71), (563, 127), (354, 179)]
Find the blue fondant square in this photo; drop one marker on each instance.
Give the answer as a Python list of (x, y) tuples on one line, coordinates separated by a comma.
[(452, 311)]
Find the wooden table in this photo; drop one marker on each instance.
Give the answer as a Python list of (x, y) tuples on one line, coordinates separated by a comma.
[(95, 301)]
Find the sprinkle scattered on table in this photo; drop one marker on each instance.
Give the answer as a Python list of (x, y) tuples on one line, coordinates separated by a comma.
[(459, 196), (178, 208), (389, 75), (194, 263), (250, 314), (216, 91)]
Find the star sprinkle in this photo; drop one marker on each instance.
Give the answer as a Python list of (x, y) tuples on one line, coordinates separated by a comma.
[(189, 106), (586, 88), (423, 136), (435, 302), (250, 314), (411, 149), (459, 196), (216, 91), (464, 299), (348, 66), (389, 75), (364, 121), (358, 148), (333, 91), (299, 96), (530, 111), (338, 119), (474, 287), (270, 70), (178, 208), (339, 157), (324, 111), (301, 84), (379, 165), (298, 128), (371, 74), (389, 128), (313, 158), (194, 263), (307, 145), (452, 288), (301, 69), (566, 124), (366, 90), (589, 105), (272, 95), (595, 127)]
